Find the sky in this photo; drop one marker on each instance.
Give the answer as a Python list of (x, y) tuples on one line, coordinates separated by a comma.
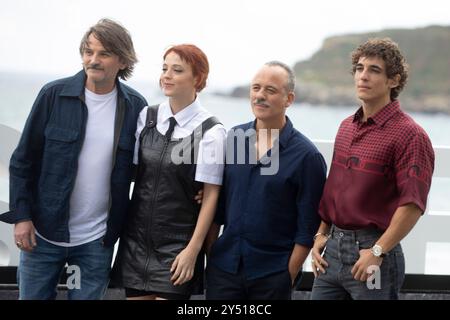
[(238, 36)]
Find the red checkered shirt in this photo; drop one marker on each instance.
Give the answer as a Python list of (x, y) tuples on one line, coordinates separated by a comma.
[(377, 166)]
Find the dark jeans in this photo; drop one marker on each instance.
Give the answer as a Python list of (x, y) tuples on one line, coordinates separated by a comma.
[(221, 285), (341, 253)]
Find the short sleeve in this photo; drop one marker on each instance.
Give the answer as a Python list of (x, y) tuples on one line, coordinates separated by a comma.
[(414, 168), (211, 156)]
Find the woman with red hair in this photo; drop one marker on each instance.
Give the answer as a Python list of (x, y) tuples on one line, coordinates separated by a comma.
[(179, 151)]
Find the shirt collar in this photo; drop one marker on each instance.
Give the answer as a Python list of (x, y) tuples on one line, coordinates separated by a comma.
[(184, 116), (382, 116), (285, 133)]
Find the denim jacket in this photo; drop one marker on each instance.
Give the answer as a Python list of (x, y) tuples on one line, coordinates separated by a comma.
[(44, 165)]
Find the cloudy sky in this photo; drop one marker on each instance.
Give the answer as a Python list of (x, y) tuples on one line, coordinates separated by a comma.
[(42, 36)]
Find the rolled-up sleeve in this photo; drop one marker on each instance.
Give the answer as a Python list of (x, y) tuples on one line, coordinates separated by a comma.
[(312, 179)]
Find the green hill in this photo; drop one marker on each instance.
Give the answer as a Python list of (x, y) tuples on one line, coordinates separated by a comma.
[(325, 78)]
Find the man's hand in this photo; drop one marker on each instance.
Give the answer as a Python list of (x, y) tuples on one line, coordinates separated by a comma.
[(24, 235), (317, 261), (199, 196), (366, 259)]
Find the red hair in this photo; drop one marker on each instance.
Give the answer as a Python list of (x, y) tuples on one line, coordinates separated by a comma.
[(194, 57)]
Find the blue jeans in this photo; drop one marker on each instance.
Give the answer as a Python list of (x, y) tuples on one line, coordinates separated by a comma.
[(39, 271), (341, 253)]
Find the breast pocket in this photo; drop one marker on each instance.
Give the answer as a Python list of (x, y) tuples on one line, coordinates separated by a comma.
[(125, 151), (124, 160), (60, 144), (60, 141), (59, 156)]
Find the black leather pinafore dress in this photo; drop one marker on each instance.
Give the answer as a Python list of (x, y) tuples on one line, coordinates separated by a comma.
[(163, 213)]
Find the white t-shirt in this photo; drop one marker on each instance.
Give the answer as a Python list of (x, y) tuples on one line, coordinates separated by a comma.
[(211, 152), (89, 201)]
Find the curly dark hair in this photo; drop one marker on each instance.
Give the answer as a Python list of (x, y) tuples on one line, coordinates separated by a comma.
[(389, 51)]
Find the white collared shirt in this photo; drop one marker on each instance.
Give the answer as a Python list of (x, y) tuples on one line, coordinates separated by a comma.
[(211, 153)]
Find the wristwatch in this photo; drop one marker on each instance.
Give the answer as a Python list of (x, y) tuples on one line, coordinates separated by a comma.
[(377, 251)]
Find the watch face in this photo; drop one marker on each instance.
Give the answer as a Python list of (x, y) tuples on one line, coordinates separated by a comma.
[(377, 250)]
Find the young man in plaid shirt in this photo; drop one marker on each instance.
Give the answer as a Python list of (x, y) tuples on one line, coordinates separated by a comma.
[(377, 187)]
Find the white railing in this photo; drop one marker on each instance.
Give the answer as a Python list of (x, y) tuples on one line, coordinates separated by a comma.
[(432, 228)]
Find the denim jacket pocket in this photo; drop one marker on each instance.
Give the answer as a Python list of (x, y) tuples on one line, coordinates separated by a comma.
[(125, 151), (59, 154), (124, 160), (61, 134), (60, 141)]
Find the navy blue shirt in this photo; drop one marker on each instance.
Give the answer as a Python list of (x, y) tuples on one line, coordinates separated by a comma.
[(265, 215)]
